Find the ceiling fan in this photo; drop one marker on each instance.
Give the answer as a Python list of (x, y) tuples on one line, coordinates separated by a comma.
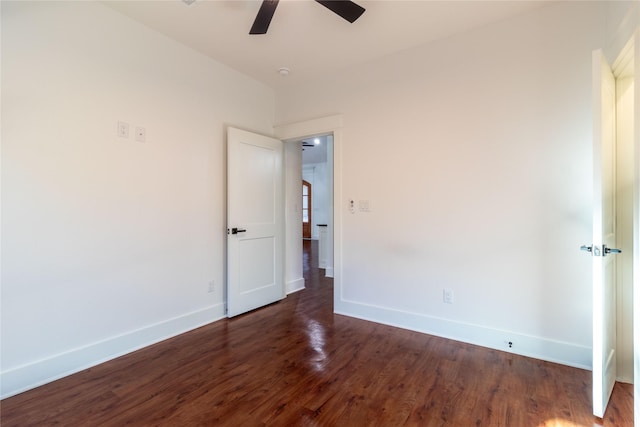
[(343, 8)]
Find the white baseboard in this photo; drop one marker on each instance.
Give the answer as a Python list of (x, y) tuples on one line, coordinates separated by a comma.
[(328, 271), (295, 285), (540, 348), (26, 377), (31, 375)]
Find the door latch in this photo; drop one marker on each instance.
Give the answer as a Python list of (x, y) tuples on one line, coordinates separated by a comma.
[(235, 230)]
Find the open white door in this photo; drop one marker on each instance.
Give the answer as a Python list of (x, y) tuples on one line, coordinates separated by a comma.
[(255, 221), (604, 284)]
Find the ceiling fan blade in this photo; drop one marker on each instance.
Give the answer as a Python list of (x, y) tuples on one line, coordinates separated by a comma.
[(345, 8), (264, 16)]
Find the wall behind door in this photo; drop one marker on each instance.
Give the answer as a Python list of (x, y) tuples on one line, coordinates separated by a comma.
[(624, 233)]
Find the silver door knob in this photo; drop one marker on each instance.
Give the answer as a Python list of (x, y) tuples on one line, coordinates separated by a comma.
[(611, 250)]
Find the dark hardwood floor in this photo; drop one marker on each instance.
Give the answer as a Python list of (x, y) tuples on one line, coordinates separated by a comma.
[(296, 363)]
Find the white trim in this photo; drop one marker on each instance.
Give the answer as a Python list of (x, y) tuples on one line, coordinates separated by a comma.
[(309, 128), (328, 272), (524, 345), (34, 374), (295, 285), (626, 56)]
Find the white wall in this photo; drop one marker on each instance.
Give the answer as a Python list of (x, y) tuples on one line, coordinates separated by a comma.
[(109, 244), (475, 153), (293, 217)]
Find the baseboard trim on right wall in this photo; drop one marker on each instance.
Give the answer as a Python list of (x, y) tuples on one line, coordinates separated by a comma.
[(525, 345)]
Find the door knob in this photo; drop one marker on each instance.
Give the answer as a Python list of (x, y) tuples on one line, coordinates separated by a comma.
[(611, 250), (586, 248), (595, 250), (235, 230)]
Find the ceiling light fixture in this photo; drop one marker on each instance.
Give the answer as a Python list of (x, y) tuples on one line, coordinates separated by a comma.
[(284, 71), (189, 2)]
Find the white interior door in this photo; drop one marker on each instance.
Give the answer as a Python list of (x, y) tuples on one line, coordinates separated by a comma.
[(603, 247), (255, 221)]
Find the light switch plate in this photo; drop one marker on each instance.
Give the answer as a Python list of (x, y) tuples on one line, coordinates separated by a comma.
[(123, 130)]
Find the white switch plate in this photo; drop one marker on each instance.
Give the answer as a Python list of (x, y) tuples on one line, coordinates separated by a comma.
[(447, 296), (364, 206), (123, 130)]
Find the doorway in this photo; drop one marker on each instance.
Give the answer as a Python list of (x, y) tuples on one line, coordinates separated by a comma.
[(316, 166), (626, 71), (622, 119), (623, 69), (292, 135)]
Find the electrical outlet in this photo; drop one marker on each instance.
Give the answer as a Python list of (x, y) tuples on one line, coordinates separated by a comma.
[(212, 286), (141, 134), (447, 296), (123, 130)]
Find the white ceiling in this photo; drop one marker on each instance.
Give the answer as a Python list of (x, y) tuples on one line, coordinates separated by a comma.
[(317, 153), (306, 37)]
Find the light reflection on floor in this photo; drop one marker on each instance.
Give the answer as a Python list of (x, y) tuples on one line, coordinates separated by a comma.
[(558, 422), (316, 333)]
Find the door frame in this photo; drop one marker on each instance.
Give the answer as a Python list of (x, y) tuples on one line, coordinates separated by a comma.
[(636, 225), (310, 128), (625, 48), (625, 169)]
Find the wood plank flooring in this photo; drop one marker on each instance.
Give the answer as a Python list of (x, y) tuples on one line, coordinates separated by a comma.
[(295, 363)]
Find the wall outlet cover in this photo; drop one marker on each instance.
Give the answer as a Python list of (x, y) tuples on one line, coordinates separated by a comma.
[(141, 134)]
